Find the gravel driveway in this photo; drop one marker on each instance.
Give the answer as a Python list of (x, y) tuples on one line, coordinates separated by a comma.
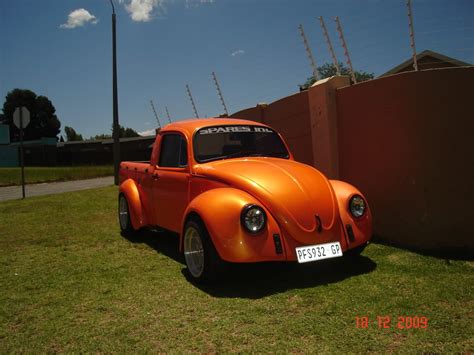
[(14, 192)]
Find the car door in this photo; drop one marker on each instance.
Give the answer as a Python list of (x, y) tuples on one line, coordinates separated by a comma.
[(170, 181)]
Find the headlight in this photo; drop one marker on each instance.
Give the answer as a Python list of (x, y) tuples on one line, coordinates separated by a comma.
[(357, 206), (253, 218)]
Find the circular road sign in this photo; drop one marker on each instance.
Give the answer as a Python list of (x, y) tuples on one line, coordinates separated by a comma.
[(26, 116)]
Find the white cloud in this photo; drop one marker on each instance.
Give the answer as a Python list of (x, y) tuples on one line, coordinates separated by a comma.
[(79, 18), (141, 10), (149, 132), (237, 52), (195, 3)]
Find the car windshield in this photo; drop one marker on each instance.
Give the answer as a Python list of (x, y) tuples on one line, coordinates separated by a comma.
[(224, 142)]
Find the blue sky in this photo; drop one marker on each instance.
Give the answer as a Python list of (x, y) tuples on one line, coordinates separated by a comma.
[(253, 46)]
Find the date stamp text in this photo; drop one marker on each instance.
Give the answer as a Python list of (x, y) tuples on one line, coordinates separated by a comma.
[(387, 322)]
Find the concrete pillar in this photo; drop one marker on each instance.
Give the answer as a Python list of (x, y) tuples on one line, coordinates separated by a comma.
[(323, 117), (262, 106)]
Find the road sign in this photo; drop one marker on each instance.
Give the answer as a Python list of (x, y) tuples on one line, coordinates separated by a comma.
[(26, 116)]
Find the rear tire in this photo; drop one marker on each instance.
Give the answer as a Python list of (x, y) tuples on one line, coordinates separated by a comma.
[(126, 228), (203, 263)]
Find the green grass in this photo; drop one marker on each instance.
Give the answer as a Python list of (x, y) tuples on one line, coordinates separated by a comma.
[(70, 282), (12, 176)]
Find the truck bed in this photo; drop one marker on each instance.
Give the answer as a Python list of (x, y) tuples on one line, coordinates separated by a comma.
[(133, 169)]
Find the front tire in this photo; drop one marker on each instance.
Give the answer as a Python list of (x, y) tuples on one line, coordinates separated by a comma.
[(203, 263), (126, 228)]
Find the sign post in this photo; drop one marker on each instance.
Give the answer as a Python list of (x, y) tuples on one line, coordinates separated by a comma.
[(21, 119)]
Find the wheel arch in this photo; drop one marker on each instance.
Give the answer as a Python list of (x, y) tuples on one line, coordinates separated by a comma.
[(129, 189), (362, 227), (219, 211)]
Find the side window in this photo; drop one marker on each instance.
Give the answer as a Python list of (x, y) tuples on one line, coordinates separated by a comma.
[(173, 152)]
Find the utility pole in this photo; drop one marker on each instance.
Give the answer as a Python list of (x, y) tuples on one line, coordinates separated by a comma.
[(331, 49), (412, 35), (346, 51), (219, 92), (192, 101), (115, 126), (168, 114), (310, 54), (156, 115)]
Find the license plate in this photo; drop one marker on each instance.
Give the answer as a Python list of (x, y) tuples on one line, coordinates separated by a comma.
[(318, 252)]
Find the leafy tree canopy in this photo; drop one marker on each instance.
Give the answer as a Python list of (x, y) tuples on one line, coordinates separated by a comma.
[(327, 70), (123, 133), (101, 136), (71, 134), (127, 132), (43, 119)]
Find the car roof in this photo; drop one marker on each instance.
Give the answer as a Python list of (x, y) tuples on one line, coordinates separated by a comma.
[(192, 125)]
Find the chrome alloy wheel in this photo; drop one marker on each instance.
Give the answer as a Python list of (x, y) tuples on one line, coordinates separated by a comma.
[(123, 213), (193, 252)]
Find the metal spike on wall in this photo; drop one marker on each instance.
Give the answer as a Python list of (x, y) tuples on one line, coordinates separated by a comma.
[(192, 101), (168, 114), (156, 115), (412, 35), (331, 49), (346, 51), (310, 54), (219, 92)]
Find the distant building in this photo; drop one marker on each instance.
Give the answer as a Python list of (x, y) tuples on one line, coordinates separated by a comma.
[(49, 152), (427, 60), (100, 152), (4, 134), (8, 154)]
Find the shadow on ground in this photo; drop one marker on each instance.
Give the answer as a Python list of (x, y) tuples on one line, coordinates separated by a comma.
[(264, 279), (163, 242), (259, 280), (454, 253)]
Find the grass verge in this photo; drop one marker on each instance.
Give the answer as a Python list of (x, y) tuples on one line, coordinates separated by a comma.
[(71, 283), (12, 176)]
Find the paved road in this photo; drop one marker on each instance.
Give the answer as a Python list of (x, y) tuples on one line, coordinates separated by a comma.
[(14, 192)]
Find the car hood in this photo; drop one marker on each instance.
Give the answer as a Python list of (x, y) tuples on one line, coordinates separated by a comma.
[(297, 195)]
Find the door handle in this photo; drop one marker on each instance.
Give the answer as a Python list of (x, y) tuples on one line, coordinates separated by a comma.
[(156, 176)]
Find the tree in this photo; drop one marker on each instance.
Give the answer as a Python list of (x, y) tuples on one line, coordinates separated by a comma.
[(123, 133), (43, 119), (71, 134), (101, 137), (327, 70), (127, 132)]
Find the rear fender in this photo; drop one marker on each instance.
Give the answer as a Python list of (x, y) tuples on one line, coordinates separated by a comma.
[(136, 210), (361, 227), (220, 211)]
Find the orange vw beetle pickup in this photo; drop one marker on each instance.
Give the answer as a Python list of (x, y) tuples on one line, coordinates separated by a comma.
[(233, 193)]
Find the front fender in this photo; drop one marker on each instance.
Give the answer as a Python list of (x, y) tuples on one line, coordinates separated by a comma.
[(136, 210), (361, 227), (220, 210)]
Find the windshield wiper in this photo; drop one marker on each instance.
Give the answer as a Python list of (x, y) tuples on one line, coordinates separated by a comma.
[(246, 154), (240, 154), (228, 156), (278, 154)]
